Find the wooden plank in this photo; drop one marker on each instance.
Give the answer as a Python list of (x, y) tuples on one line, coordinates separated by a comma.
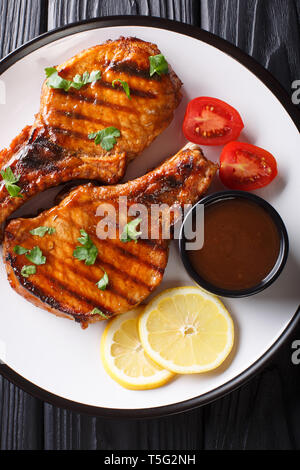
[(21, 419), (20, 21), (62, 12), (263, 414), (268, 30)]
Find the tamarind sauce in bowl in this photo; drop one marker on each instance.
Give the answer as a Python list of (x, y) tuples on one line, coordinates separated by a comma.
[(245, 245)]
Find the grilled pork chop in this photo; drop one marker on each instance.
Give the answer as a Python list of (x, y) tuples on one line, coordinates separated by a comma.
[(57, 149), (65, 285)]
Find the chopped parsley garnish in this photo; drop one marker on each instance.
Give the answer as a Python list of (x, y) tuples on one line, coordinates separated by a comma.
[(41, 231), (130, 232), (158, 64), (103, 283), (96, 311), (106, 138), (80, 80), (36, 256), (88, 252), (28, 270), (20, 250), (57, 82), (9, 180), (124, 85)]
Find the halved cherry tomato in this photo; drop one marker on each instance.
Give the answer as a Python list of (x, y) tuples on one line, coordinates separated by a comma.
[(246, 167), (209, 121)]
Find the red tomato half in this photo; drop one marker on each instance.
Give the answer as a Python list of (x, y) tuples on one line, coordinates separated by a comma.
[(209, 121), (246, 167)]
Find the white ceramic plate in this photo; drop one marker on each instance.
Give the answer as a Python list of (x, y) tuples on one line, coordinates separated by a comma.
[(54, 358)]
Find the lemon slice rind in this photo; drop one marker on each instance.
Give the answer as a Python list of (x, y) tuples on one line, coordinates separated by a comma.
[(172, 365), (160, 376)]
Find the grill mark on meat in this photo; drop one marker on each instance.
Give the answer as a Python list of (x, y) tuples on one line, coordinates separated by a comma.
[(69, 133), (118, 87), (51, 301), (119, 271), (9, 236), (188, 166), (38, 292), (128, 254), (81, 117), (156, 244), (131, 68), (101, 263), (124, 252), (113, 290), (167, 185), (149, 242), (41, 155), (88, 299), (91, 99), (93, 280)]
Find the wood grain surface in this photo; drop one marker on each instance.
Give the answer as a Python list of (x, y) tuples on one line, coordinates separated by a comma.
[(263, 414)]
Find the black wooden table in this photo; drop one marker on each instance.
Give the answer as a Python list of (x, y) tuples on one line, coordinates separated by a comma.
[(263, 414)]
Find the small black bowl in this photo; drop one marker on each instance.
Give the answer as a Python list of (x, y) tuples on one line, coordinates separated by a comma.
[(282, 256)]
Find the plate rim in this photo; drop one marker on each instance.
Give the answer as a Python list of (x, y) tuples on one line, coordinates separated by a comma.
[(276, 89)]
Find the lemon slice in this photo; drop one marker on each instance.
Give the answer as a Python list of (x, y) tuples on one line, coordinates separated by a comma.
[(124, 358), (186, 330)]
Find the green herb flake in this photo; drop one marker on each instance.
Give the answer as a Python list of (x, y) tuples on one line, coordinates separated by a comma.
[(88, 252), (96, 311), (9, 180), (103, 283), (50, 71), (41, 231), (124, 85), (130, 232), (36, 256), (79, 81), (158, 64), (57, 82), (20, 250), (106, 137), (28, 270)]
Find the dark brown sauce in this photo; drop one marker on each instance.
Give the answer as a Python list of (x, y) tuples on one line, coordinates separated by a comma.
[(241, 245)]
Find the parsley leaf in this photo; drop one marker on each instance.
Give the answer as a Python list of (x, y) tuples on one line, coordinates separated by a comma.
[(103, 283), (129, 232), (57, 82), (41, 231), (106, 138), (50, 71), (88, 252), (96, 311), (8, 176), (28, 271), (20, 250), (36, 256), (124, 85), (9, 180), (79, 81), (158, 64)]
